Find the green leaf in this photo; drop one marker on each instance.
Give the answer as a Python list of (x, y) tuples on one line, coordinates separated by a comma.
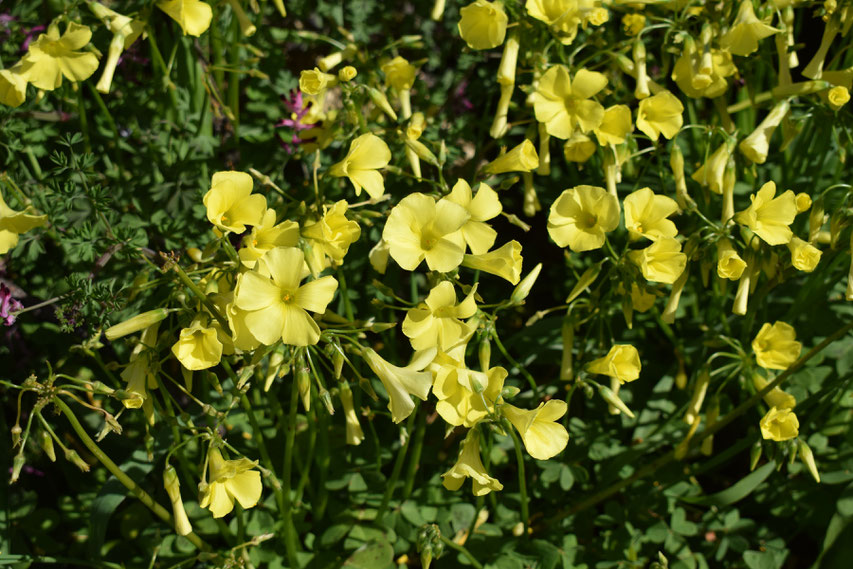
[(374, 555), (735, 492)]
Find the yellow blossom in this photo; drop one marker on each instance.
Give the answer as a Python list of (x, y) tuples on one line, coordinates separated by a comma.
[(230, 207), (51, 57), (775, 346), (139, 373), (483, 24), (483, 206), (579, 147), (13, 86), (633, 24), (437, 323), (192, 15), (367, 154), (730, 265), (564, 104), (504, 262), (399, 73), (662, 261), (660, 114), (331, 236), (276, 304), (769, 217), (804, 255), (13, 223), (470, 465), (615, 126), (804, 202), (402, 382), (646, 215), (562, 17), (695, 84), (198, 347), (712, 172), (581, 216), (757, 144), (521, 158), (746, 31), (125, 31), (543, 436), (641, 299), (267, 235), (464, 396), (230, 480), (420, 229), (315, 82), (621, 362), (838, 96), (779, 425)]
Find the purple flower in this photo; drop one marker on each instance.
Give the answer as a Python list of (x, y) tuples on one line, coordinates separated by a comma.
[(298, 108), (30, 33), (8, 305)]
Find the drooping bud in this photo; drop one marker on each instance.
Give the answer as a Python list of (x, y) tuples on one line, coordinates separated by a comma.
[(544, 153), (135, 324), (74, 458), (522, 290), (173, 489), (612, 399), (669, 311), (676, 163), (274, 366), (755, 455), (699, 391), (641, 91), (682, 447), (354, 433), (522, 158), (46, 444), (757, 145), (380, 100), (807, 456), (711, 416), (17, 464)]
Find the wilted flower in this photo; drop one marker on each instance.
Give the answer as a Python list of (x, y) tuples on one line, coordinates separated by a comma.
[(775, 346), (564, 104), (399, 73), (621, 362), (581, 216), (757, 144), (314, 81), (712, 172), (483, 24), (730, 265), (367, 154), (837, 97), (695, 84), (198, 346), (230, 480), (775, 397), (804, 255)]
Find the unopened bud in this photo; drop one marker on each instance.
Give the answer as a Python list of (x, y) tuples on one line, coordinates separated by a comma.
[(16, 435), (510, 391), (273, 367), (46, 444), (522, 158), (568, 335), (326, 398), (74, 458), (807, 456), (522, 289), (587, 278), (755, 455), (303, 384), (135, 324), (699, 391), (348, 73), (173, 489), (611, 398), (816, 219), (484, 353), (380, 100), (17, 465), (422, 151)]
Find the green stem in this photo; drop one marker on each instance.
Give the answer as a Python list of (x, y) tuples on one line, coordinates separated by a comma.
[(128, 482), (461, 549), (84, 121), (415, 459), (711, 430), (112, 124), (522, 478), (234, 78), (203, 298), (512, 361), (398, 468), (290, 540)]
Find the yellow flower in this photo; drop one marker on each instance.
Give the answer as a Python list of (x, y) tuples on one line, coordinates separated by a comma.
[(621, 362), (465, 396), (543, 437), (402, 382), (504, 262), (198, 347), (267, 235), (399, 73), (314, 81), (173, 489), (192, 15), (230, 207), (331, 236), (775, 346), (51, 57), (695, 84), (579, 147), (13, 86), (779, 425), (641, 299), (660, 114), (746, 31), (775, 397), (730, 265), (564, 105), (713, 170), (347, 73), (757, 144), (481, 207), (633, 24), (230, 480), (804, 202), (562, 16), (483, 24), (276, 304), (662, 261), (615, 125), (13, 223), (581, 216), (769, 217), (521, 158), (125, 31), (804, 255), (646, 215), (470, 465), (420, 229), (837, 97), (367, 154), (438, 322), (139, 373)]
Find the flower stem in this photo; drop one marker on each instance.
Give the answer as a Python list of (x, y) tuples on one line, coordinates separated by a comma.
[(398, 468), (522, 478), (461, 549), (128, 482)]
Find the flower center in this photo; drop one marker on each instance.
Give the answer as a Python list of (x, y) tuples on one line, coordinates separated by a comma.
[(287, 296), (587, 220)]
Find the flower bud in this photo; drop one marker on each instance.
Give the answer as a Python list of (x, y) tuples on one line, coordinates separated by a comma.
[(522, 158), (682, 447), (544, 153), (531, 200), (484, 354), (504, 262), (314, 81), (46, 444), (807, 456), (611, 398), (804, 256), (326, 398), (354, 433), (699, 390), (303, 384), (804, 202), (16, 435), (499, 126), (814, 69), (74, 458), (173, 489), (274, 366), (247, 28), (757, 145), (676, 163), (837, 97), (711, 416), (135, 324), (420, 149), (755, 455), (522, 290), (348, 73), (729, 263), (669, 311), (641, 91)]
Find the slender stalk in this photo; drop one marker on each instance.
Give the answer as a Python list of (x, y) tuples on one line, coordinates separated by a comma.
[(512, 361), (128, 482), (711, 430), (522, 478), (202, 297), (398, 468), (461, 549), (415, 459), (290, 540), (84, 122)]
